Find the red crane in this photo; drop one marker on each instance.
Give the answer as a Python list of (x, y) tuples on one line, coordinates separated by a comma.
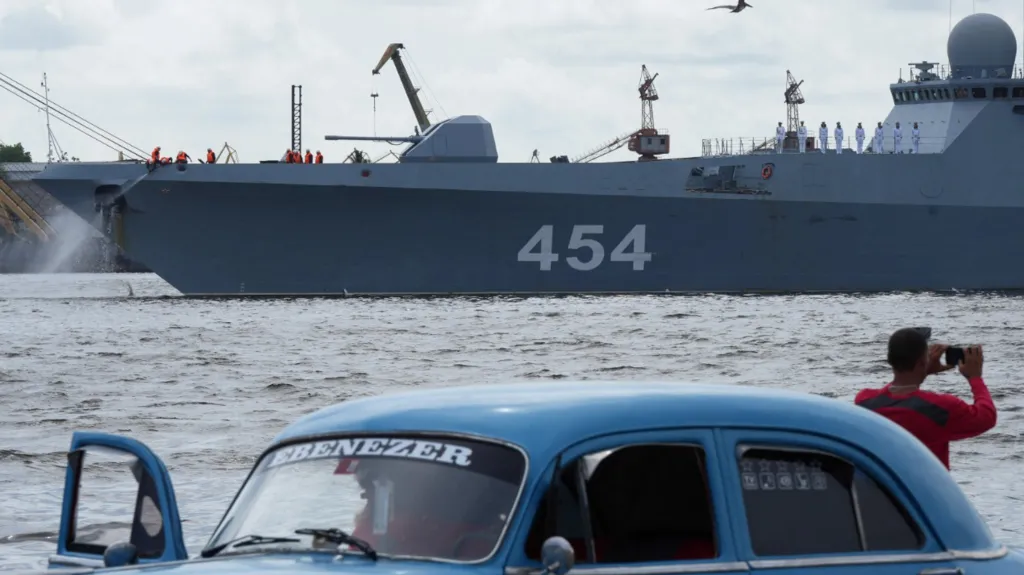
[(647, 141)]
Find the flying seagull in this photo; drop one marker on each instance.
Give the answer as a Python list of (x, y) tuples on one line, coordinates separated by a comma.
[(734, 8)]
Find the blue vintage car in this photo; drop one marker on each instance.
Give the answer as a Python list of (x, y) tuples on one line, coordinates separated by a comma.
[(610, 478)]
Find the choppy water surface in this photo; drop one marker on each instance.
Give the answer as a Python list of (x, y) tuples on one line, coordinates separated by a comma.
[(207, 384)]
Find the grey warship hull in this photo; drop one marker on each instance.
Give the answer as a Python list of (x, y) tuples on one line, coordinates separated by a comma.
[(450, 219), (789, 233)]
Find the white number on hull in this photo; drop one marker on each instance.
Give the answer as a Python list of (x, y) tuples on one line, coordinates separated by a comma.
[(540, 249), (577, 241), (545, 256), (639, 256)]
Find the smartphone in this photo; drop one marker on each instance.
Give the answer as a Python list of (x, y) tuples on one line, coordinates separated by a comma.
[(954, 355)]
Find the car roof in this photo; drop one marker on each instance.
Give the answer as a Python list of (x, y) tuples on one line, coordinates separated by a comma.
[(537, 414), (546, 417)]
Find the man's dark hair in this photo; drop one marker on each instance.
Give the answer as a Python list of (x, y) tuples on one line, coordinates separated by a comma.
[(906, 347)]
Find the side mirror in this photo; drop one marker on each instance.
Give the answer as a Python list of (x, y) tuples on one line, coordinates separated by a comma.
[(557, 556), (120, 554)]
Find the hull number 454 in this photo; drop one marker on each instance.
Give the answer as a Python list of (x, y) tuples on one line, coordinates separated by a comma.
[(540, 248)]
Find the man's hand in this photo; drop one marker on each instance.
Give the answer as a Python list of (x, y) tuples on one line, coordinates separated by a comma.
[(935, 364), (970, 365)]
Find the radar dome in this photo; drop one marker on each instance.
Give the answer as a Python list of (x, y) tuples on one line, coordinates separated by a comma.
[(981, 45)]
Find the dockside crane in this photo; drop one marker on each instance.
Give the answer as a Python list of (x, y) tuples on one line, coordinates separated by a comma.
[(411, 91), (646, 141), (793, 100)]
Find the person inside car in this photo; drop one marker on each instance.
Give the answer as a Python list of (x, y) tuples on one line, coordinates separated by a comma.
[(416, 508)]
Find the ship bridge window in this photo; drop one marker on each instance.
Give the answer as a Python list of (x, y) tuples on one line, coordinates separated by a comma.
[(895, 97), (917, 95), (945, 92), (1018, 92), (1000, 92), (978, 92), (959, 93)]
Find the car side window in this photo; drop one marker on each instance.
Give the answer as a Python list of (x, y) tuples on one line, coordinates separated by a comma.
[(636, 503), (801, 502)]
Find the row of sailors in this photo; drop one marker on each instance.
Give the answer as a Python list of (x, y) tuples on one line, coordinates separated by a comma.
[(877, 142), (294, 157), (181, 158), (291, 157)]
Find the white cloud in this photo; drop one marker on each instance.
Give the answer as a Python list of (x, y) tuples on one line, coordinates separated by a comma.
[(559, 76)]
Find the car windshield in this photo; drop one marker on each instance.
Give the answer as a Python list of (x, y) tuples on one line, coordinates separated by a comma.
[(412, 496)]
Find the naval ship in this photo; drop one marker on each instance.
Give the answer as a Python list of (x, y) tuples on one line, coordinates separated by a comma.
[(448, 218)]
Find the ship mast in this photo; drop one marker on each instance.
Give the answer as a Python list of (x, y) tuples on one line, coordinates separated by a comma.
[(296, 118)]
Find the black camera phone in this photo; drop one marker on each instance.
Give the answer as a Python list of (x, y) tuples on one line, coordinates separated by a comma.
[(954, 355)]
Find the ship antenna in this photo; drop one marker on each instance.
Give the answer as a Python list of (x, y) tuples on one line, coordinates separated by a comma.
[(374, 96), (49, 132)]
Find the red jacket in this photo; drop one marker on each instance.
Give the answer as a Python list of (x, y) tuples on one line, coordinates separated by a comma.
[(935, 418)]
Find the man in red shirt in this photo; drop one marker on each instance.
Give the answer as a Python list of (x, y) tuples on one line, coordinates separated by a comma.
[(934, 418)]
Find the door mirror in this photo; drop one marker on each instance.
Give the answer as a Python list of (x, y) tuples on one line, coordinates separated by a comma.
[(557, 556), (120, 554)]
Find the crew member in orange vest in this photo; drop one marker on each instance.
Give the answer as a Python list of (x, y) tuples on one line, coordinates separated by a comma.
[(182, 157), (309, 157), (211, 158), (155, 156), (319, 157), (289, 157)]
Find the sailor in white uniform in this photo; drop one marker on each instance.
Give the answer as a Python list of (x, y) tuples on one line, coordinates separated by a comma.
[(915, 138), (780, 135), (859, 134), (897, 139), (879, 147), (822, 137), (839, 138), (801, 135)]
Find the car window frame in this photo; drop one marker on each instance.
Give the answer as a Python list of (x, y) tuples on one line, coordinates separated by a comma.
[(732, 440), (501, 543), (518, 563)]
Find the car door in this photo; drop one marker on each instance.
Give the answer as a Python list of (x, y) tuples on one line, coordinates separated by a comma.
[(803, 503), (642, 503), (116, 490)]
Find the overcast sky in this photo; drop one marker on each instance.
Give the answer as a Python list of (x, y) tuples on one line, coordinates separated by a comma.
[(560, 76)]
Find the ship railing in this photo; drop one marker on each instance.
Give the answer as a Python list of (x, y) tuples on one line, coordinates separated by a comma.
[(723, 147), (736, 146), (945, 72)]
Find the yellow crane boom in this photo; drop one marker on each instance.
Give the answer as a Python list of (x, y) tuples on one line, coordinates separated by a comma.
[(411, 91)]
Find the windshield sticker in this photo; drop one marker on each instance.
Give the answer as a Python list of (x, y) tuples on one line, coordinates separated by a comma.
[(448, 453), (777, 475), (382, 493)]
